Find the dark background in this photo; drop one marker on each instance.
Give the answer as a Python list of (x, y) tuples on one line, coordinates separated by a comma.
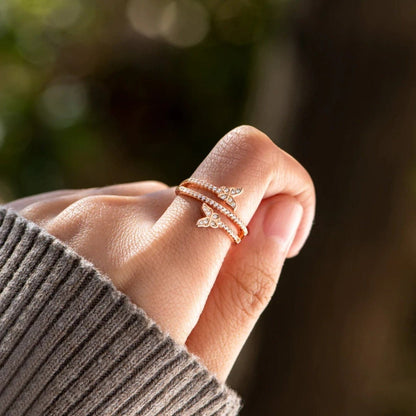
[(100, 92)]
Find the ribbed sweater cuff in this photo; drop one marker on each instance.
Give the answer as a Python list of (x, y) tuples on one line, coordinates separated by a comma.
[(71, 344)]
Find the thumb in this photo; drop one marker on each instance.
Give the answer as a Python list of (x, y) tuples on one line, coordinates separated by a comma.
[(245, 284)]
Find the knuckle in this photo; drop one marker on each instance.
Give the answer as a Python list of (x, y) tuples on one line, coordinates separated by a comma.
[(92, 206), (248, 139), (92, 201), (104, 211), (156, 184), (86, 216), (254, 286), (34, 209), (250, 145)]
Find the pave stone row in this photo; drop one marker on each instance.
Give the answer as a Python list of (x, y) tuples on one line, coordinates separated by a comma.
[(229, 231), (200, 197), (202, 183), (217, 206), (215, 189)]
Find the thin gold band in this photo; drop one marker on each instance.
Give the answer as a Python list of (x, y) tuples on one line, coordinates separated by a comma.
[(211, 220), (225, 193)]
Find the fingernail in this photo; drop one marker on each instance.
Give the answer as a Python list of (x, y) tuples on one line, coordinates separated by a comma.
[(282, 221)]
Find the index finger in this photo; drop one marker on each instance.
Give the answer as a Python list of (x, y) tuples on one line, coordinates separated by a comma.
[(182, 261), (249, 158)]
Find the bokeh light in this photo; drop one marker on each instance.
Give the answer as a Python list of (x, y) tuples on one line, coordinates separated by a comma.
[(66, 15), (184, 23), (3, 18), (145, 16), (33, 47), (63, 104)]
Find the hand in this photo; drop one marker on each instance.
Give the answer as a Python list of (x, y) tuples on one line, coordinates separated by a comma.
[(204, 291)]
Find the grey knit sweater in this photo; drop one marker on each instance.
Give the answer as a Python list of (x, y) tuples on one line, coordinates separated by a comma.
[(72, 344)]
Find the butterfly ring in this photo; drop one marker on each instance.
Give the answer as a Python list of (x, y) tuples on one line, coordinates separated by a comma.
[(212, 209)]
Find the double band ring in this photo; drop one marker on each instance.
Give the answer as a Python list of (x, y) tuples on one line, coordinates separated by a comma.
[(212, 209)]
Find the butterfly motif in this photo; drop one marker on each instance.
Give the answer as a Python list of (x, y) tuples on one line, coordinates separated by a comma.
[(212, 219), (227, 193)]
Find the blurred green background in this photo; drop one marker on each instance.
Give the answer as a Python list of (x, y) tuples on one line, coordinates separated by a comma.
[(100, 92)]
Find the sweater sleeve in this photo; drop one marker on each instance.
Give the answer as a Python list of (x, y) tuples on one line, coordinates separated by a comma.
[(71, 344)]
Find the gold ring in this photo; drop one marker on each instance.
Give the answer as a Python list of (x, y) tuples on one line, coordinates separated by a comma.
[(212, 219)]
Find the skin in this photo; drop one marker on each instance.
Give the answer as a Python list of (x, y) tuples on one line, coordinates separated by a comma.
[(206, 292)]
